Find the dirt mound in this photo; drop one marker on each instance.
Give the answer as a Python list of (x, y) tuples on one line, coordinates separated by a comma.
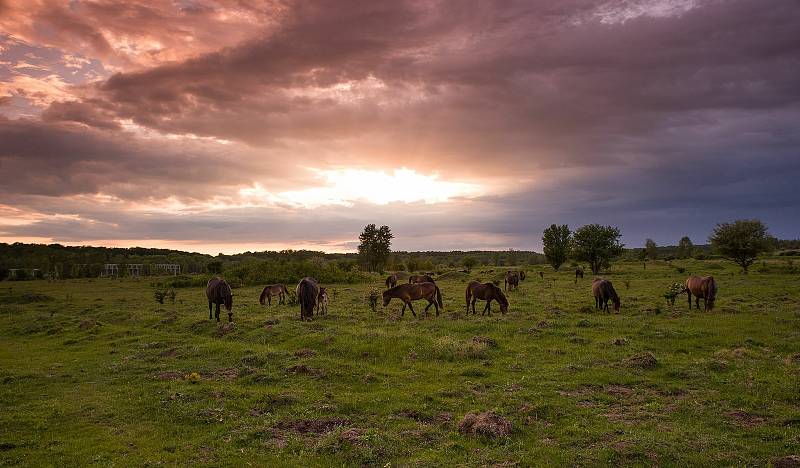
[(644, 360), (87, 324), (223, 330), (304, 352), (306, 370), (312, 426), (487, 424), (745, 419), (172, 352), (789, 461), (170, 375), (619, 342), (225, 374), (490, 342)]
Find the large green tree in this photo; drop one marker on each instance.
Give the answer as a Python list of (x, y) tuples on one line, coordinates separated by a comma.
[(741, 241), (375, 246), (556, 245), (596, 245), (651, 249), (685, 247)]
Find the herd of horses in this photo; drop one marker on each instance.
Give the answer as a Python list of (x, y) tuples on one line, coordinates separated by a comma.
[(314, 298)]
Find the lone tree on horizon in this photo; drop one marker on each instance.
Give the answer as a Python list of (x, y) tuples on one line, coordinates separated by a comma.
[(556, 245), (651, 249), (375, 246), (685, 247), (741, 241), (596, 245)]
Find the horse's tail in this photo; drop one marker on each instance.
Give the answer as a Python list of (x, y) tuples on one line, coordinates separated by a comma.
[(438, 296), (262, 298), (711, 292)]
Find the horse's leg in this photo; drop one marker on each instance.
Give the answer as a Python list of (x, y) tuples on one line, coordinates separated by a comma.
[(403, 312), (488, 308), (474, 300), (269, 299), (689, 295), (210, 307), (430, 303), (697, 302), (411, 308), (216, 312)]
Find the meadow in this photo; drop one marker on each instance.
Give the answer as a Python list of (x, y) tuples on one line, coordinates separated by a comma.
[(95, 371)]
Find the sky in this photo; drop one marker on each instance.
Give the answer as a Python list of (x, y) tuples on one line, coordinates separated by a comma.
[(234, 125)]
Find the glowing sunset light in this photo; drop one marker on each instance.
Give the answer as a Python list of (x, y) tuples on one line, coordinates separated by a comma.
[(345, 187)]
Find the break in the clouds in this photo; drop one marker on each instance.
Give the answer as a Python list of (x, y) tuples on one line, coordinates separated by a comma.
[(233, 125)]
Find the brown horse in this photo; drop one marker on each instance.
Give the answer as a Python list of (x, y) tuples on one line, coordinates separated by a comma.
[(522, 275), (420, 279), (279, 290), (412, 292), (512, 280), (391, 281), (705, 288), (219, 293), (486, 292), (603, 290), (307, 294), (578, 274), (322, 302)]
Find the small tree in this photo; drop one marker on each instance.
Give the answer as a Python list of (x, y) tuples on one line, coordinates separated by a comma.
[(375, 246), (651, 249), (469, 263), (556, 245), (741, 241), (596, 245), (685, 247)]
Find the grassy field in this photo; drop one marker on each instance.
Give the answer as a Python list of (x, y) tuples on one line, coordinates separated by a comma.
[(95, 371)]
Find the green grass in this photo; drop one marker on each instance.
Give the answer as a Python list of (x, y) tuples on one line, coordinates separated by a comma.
[(94, 374)]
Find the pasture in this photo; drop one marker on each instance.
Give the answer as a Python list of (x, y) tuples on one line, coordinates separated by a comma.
[(95, 371)]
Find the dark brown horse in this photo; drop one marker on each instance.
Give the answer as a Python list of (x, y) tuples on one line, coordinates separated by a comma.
[(307, 294), (420, 279), (522, 275), (278, 290), (391, 281), (705, 288), (512, 280), (219, 293), (604, 291), (578, 274), (486, 292), (322, 302), (412, 292)]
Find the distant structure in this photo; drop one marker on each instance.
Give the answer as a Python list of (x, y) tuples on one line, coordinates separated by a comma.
[(135, 270), (111, 270), (172, 268), (13, 273)]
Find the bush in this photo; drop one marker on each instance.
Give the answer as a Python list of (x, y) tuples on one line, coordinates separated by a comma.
[(292, 271)]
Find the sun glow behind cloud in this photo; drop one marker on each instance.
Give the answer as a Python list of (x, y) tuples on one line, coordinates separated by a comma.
[(347, 186)]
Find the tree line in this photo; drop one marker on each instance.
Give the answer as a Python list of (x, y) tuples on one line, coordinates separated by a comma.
[(740, 241)]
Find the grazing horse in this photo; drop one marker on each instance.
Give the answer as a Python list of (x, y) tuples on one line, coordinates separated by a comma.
[(412, 292), (307, 295), (279, 290), (218, 293), (603, 290), (705, 288), (322, 302), (578, 273), (512, 280), (391, 281), (420, 279), (486, 292)]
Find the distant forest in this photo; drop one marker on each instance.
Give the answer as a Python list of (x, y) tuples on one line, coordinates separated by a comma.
[(59, 261)]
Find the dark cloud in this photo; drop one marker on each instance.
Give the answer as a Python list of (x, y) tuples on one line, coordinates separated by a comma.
[(573, 111)]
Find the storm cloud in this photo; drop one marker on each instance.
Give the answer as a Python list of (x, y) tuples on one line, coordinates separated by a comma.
[(203, 123)]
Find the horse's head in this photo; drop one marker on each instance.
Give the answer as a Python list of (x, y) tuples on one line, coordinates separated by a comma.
[(616, 302), (228, 300), (386, 298), (501, 299)]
